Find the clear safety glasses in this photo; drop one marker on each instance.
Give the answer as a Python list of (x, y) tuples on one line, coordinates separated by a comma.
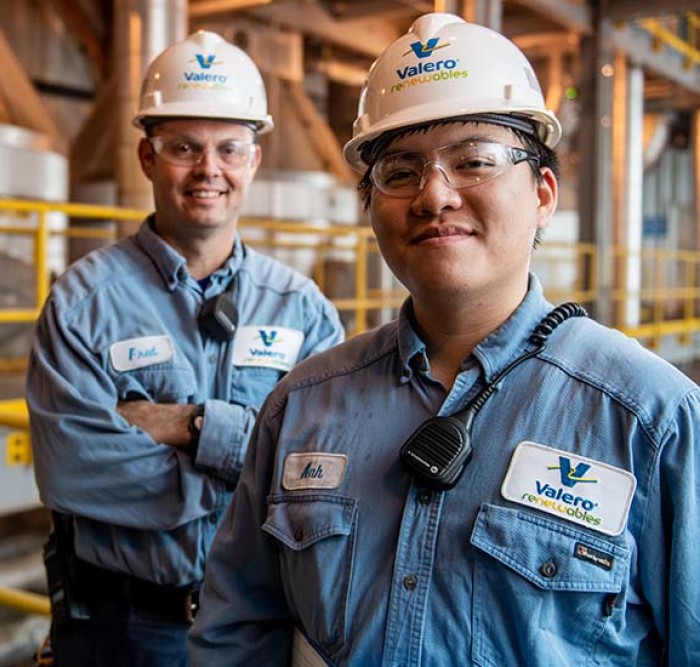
[(464, 165), (230, 154)]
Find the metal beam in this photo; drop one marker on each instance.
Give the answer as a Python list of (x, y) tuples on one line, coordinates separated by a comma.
[(369, 37), (638, 46), (571, 16)]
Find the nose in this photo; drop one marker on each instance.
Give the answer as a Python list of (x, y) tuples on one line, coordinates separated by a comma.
[(208, 162), (426, 173), (435, 194)]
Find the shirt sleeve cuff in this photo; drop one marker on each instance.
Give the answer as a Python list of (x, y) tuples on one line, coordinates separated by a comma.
[(224, 438)]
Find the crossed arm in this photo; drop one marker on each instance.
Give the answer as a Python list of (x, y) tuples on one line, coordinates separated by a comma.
[(166, 423)]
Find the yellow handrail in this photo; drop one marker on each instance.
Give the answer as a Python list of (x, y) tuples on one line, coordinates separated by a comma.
[(30, 603), (663, 34)]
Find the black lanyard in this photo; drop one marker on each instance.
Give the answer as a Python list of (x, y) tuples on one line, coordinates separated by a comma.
[(439, 449)]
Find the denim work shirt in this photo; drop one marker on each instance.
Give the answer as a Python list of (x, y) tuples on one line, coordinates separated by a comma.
[(516, 565), (122, 324)]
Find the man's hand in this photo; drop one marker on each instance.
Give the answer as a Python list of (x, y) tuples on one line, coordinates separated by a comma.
[(164, 422)]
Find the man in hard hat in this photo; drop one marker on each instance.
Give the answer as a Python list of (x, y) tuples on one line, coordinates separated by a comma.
[(150, 361), (487, 480)]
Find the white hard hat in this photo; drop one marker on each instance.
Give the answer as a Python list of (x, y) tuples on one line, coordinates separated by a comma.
[(204, 76), (445, 68)]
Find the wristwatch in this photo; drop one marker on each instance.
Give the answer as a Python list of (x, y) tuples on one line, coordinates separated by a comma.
[(194, 426)]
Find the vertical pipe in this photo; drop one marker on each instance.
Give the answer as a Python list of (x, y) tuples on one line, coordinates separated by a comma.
[(143, 28)]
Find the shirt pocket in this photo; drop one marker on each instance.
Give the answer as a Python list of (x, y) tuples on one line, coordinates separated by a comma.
[(316, 534), (250, 386), (540, 583), (160, 384)]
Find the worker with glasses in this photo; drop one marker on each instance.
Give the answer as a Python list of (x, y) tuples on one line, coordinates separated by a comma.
[(150, 361), (490, 479)]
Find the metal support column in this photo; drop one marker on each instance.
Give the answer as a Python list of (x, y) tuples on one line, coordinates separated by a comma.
[(628, 165), (595, 147)]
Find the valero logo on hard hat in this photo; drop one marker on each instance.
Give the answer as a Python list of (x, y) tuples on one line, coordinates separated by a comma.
[(425, 50), (204, 79), (205, 63), (427, 72)]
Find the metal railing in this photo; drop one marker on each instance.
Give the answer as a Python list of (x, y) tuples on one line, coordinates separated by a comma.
[(666, 289), (679, 32)]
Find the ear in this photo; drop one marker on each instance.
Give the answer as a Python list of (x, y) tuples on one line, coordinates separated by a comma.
[(547, 196), (255, 162), (146, 158)]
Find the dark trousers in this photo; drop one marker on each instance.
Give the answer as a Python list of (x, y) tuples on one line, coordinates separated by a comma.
[(117, 635)]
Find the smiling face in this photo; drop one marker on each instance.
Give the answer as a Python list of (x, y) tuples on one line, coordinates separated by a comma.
[(201, 200), (446, 244)]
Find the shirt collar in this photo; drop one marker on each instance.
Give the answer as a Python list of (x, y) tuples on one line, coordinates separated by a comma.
[(411, 348), (511, 339), (172, 265), (495, 352)]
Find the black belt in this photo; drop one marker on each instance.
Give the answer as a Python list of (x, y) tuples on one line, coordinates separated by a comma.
[(176, 604)]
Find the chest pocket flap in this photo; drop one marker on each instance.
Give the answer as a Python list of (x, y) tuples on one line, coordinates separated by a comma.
[(550, 554), (300, 521)]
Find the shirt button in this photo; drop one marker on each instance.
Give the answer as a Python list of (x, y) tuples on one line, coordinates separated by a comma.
[(212, 359), (424, 497), (299, 534), (409, 582), (548, 569)]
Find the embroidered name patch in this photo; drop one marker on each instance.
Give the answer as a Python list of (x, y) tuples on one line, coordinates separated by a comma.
[(313, 470), (593, 556), (267, 346), (581, 490), (126, 355)]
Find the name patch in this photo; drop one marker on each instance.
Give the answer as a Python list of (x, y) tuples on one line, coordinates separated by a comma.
[(126, 355), (578, 489), (313, 470), (267, 346)]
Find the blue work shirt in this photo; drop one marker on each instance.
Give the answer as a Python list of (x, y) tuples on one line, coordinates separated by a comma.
[(328, 534), (121, 324)]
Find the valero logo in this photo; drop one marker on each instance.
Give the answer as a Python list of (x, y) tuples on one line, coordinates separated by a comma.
[(268, 339), (572, 476), (432, 71), (204, 79), (426, 49), (205, 63)]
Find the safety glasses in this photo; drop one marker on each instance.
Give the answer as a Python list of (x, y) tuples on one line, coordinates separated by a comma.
[(185, 152), (463, 165)]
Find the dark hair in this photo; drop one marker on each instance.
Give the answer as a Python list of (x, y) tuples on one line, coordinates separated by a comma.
[(530, 141)]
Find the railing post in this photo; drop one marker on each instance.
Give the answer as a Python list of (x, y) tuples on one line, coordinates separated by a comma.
[(361, 283), (41, 261)]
